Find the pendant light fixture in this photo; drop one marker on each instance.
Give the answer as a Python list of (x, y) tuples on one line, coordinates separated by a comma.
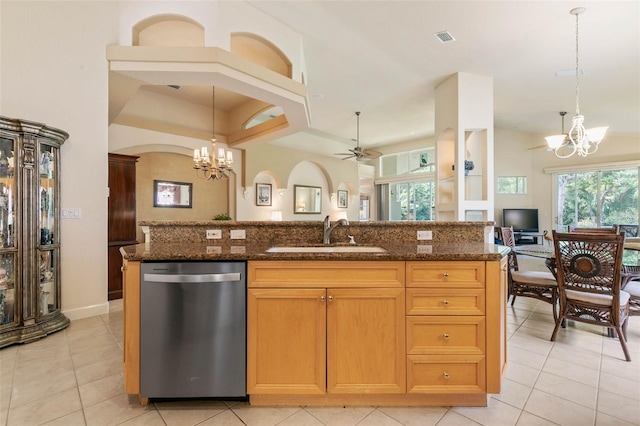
[(579, 140), (214, 167)]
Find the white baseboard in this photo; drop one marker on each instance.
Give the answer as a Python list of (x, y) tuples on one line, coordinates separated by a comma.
[(87, 311)]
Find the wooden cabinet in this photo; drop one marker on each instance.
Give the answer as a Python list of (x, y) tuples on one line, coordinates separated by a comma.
[(30, 298), (351, 333), (131, 326), (121, 216), (446, 327), (344, 338), (286, 337), (454, 314)]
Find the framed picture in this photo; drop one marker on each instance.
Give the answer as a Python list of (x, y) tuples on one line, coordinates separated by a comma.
[(172, 194), (263, 194), (342, 199)]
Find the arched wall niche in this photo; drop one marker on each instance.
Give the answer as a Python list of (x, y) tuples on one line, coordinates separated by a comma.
[(264, 114), (260, 51), (168, 30), (272, 176), (304, 168)]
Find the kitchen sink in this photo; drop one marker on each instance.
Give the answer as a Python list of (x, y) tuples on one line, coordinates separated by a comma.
[(326, 249)]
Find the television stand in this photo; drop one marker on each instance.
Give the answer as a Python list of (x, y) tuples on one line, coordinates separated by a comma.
[(525, 238)]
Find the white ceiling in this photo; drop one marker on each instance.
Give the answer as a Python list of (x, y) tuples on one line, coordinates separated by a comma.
[(382, 58)]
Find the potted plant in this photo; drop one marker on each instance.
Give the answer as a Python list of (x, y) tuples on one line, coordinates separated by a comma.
[(468, 165)]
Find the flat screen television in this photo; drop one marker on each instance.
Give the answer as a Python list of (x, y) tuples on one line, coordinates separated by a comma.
[(522, 220)]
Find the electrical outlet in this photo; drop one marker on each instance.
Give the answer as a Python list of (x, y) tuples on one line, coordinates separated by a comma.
[(214, 234), (237, 249), (423, 249), (214, 250), (237, 234), (425, 235), (72, 213)]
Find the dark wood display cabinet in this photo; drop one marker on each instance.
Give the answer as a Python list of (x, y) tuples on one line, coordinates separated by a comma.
[(29, 231)]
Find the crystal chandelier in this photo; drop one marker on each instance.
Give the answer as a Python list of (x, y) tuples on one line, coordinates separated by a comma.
[(579, 140), (217, 166)]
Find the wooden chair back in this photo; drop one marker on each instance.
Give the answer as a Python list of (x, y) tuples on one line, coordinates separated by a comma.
[(588, 270), (507, 236), (509, 240), (605, 230)]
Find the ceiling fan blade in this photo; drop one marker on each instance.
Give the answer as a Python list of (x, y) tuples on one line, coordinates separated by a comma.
[(538, 147), (372, 154), (343, 153)]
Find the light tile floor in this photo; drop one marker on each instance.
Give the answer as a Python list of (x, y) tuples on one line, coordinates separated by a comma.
[(74, 377)]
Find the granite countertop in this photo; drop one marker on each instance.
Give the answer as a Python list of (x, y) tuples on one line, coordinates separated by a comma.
[(245, 250)]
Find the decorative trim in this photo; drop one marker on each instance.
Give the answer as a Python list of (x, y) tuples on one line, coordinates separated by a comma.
[(592, 167)]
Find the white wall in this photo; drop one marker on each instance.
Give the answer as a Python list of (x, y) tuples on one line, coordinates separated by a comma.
[(513, 159), (53, 70)]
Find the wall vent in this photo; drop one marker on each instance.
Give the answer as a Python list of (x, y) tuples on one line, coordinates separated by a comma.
[(444, 37)]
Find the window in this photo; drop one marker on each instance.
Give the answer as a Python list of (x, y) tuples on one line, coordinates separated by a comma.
[(406, 188), (595, 198), (512, 184), (408, 163)]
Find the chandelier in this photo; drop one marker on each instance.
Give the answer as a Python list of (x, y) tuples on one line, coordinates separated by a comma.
[(579, 140), (215, 166)]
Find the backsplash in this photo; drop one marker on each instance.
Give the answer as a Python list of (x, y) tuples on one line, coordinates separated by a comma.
[(310, 232)]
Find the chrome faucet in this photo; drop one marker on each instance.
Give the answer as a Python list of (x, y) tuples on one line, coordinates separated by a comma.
[(328, 228)]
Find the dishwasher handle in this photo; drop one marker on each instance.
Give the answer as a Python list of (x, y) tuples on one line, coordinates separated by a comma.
[(193, 278)]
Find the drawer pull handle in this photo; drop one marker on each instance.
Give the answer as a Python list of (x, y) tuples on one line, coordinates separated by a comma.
[(446, 335), (446, 375), (446, 302), (322, 298), (330, 298), (446, 275)]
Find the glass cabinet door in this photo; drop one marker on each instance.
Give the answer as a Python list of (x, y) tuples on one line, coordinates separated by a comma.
[(48, 247), (7, 230)]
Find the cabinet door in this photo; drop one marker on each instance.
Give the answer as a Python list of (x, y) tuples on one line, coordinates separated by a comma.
[(49, 241), (8, 273), (286, 341), (366, 341), (131, 338)]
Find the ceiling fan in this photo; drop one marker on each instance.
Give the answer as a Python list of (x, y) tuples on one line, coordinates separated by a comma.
[(359, 153), (562, 114)]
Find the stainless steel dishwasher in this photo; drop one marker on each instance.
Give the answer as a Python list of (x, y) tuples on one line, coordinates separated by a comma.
[(193, 330)]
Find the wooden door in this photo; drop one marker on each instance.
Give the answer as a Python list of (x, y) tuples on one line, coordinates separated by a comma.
[(121, 216), (286, 341), (366, 341)]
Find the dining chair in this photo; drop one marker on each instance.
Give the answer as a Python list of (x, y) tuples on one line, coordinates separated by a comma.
[(605, 230), (629, 230), (633, 288), (588, 269), (540, 285)]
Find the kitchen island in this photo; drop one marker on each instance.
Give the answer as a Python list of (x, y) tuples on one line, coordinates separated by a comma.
[(417, 324)]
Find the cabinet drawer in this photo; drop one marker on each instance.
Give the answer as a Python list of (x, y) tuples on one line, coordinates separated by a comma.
[(427, 301), (325, 274), (461, 274), (451, 374), (445, 335)]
